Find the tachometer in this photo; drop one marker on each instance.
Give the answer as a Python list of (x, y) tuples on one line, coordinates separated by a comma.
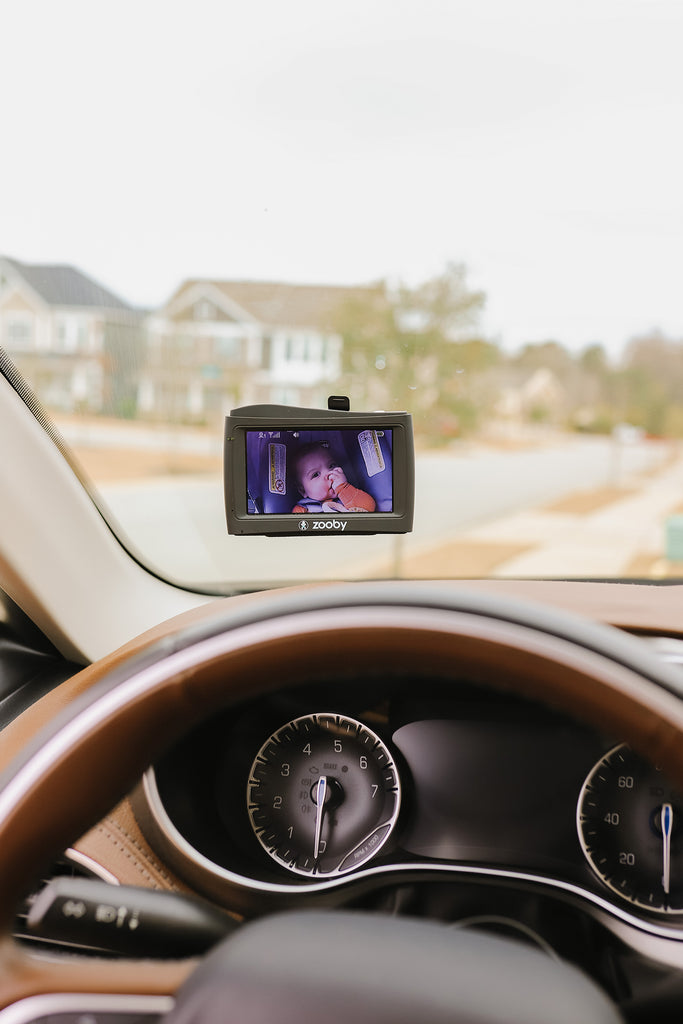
[(630, 823), (323, 794)]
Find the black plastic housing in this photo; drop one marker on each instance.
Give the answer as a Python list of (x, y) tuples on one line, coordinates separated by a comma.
[(261, 486)]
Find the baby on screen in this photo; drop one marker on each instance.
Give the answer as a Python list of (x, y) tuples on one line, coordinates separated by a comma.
[(323, 485)]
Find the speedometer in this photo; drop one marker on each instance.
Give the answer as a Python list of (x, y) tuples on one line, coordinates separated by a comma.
[(630, 824), (323, 794)]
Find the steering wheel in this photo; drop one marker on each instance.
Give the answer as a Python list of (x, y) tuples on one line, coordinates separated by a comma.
[(78, 751)]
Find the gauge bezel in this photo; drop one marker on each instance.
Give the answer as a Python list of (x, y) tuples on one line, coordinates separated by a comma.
[(604, 875), (387, 823)]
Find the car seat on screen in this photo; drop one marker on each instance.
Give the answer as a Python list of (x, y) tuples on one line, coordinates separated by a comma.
[(261, 496), (380, 483)]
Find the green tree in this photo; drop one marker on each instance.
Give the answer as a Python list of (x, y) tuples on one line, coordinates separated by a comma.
[(544, 355), (651, 384), (593, 360), (417, 348)]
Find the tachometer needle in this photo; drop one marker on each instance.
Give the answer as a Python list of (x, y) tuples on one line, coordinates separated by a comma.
[(320, 793), (667, 828)]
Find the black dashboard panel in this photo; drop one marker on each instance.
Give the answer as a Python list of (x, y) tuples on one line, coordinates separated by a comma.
[(30, 666), (495, 791), (489, 789)]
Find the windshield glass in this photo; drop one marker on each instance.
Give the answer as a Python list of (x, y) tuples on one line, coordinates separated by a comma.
[(469, 211)]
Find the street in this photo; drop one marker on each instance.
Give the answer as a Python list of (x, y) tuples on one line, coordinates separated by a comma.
[(177, 523)]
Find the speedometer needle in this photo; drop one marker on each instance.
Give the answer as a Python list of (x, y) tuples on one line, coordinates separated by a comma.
[(320, 793), (667, 828)]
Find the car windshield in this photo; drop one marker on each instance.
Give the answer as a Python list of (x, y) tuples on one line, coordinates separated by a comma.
[(468, 211)]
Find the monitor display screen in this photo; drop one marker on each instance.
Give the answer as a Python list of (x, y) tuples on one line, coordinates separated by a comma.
[(317, 471)]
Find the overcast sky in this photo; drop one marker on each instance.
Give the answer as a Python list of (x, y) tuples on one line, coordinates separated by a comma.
[(540, 143)]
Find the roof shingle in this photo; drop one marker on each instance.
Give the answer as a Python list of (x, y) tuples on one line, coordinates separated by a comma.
[(61, 285), (275, 303)]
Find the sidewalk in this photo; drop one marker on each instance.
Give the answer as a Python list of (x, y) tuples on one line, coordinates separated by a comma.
[(610, 532)]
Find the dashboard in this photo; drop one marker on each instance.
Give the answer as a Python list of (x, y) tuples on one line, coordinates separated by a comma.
[(322, 790), (461, 763)]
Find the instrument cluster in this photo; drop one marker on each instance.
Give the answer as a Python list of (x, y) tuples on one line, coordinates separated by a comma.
[(318, 787)]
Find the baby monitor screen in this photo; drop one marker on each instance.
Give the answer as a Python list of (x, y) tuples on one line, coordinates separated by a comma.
[(318, 471)]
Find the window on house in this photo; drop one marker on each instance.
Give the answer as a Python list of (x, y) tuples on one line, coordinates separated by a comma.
[(63, 337), (286, 396), (18, 335), (183, 349), (204, 310), (229, 349), (71, 335)]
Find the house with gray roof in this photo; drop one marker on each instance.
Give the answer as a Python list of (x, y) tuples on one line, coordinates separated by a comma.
[(76, 343), (219, 344)]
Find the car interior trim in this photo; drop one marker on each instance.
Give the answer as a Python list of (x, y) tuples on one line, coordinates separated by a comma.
[(31, 562), (90, 865), (82, 1006), (174, 841)]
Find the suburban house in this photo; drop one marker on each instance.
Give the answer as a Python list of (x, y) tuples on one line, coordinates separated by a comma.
[(76, 343), (216, 345), (213, 346)]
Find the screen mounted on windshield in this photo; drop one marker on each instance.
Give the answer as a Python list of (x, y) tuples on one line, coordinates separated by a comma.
[(302, 466)]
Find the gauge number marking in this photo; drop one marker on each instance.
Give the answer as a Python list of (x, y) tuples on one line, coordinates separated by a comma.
[(323, 794)]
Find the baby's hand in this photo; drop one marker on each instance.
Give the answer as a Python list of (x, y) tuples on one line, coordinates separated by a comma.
[(337, 477)]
